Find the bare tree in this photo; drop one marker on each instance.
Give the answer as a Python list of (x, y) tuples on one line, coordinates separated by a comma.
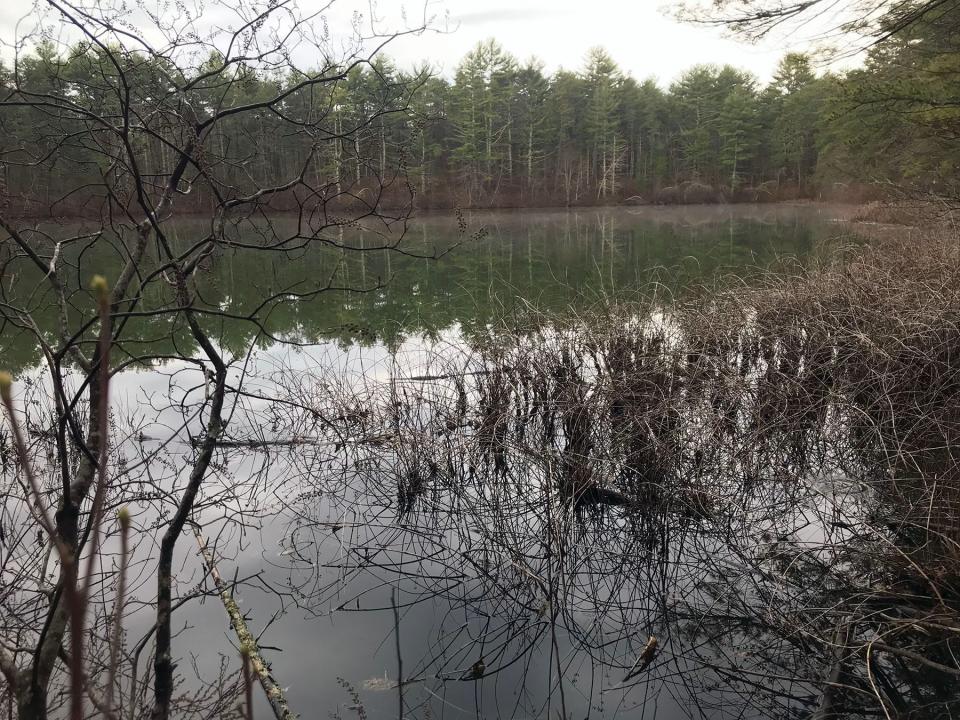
[(137, 120), (855, 26)]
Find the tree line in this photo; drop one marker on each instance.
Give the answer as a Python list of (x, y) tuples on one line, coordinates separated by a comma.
[(505, 133)]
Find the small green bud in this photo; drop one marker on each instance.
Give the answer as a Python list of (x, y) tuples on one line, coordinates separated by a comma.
[(99, 285), (123, 516), (6, 382), (246, 649)]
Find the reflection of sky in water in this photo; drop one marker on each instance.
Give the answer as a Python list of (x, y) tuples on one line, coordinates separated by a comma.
[(349, 633), (343, 626)]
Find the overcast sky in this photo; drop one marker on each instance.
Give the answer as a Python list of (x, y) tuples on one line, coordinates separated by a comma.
[(642, 36)]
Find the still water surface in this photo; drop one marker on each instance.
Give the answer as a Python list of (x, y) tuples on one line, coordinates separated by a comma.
[(501, 263), (349, 587), (349, 557)]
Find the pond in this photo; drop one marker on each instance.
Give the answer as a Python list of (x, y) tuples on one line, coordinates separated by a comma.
[(499, 263), (402, 493)]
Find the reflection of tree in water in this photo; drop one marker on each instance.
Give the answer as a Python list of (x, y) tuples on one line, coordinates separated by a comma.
[(545, 259), (566, 496)]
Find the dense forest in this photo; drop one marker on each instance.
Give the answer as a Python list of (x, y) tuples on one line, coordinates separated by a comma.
[(504, 133)]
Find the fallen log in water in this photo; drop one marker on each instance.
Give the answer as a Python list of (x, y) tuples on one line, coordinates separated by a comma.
[(293, 442), (275, 696), (603, 496), (841, 639)]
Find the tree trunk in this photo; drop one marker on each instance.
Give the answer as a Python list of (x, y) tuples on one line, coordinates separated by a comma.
[(356, 152), (530, 156), (163, 666), (423, 164)]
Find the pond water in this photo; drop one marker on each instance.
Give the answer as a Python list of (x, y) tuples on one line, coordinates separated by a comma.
[(449, 565), (500, 263)]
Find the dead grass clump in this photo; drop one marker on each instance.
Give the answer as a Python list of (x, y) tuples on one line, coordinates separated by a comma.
[(916, 213), (802, 431), (862, 356)]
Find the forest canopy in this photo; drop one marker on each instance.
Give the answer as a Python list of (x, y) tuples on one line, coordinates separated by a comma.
[(504, 132)]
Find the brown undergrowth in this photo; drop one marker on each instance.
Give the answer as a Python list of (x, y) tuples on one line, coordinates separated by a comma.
[(807, 423)]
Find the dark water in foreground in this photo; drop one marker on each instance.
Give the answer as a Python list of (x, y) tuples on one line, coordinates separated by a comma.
[(341, 555), (355, 576)]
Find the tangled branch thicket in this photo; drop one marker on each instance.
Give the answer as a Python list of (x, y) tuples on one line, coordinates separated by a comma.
[(764, 479)]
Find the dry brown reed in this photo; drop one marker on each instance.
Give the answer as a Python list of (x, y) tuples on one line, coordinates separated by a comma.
[(807, 424)]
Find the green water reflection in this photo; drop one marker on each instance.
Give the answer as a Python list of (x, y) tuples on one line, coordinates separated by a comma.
[(548, 260)]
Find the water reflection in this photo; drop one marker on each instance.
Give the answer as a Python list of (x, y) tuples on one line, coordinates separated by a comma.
[(547, 260), (502, 521), (506, 527)]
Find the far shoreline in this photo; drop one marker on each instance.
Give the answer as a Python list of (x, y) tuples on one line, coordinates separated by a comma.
[(433, 212)]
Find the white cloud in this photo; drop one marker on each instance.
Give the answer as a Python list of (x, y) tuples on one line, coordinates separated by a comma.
[(642, 37)]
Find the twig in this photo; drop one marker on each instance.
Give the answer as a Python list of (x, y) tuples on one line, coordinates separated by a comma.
[(275, 694)]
